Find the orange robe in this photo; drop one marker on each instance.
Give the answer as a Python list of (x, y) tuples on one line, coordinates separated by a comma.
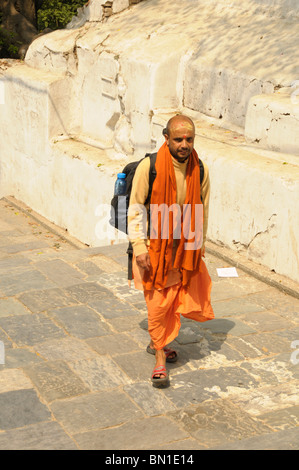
[(178, 281), (166, 305)]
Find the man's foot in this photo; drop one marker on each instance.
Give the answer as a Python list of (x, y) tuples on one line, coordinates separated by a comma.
[(171, 355), (159, 375)]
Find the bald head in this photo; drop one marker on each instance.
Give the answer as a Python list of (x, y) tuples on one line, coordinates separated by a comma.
[(179, 136), (179, 122)]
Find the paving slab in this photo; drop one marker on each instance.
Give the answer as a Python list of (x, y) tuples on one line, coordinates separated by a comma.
[(98, 410), (14, 379), (148, 399), (21, 247), (114, 345), (80, 321), (26, 330), (67, 349), (60, 272), (16, 358), (9, 264), (38, 301), (41, 436), (20, 408), (282, 419), (55, 380), (11, 307), (88, 291), (100, 373), (26, 281), (219, 421), (113, 308), (133, 435), (75, 374), (283, 440)]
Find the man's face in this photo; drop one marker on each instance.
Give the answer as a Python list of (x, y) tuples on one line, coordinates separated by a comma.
[(180, 140)]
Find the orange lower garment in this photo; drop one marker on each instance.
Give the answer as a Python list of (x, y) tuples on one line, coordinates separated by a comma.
[(166, 305)]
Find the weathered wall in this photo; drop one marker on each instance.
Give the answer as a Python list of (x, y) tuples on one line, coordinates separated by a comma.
[(278, 8), (90, 98), (96, 10), (218, 56), (99, 10)]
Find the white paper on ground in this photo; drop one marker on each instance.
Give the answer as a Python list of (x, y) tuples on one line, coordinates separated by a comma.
[(227, 272)]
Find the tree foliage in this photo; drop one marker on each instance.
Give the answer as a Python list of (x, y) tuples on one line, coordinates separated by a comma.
[(57, 14), (9, 45), (21, 21)]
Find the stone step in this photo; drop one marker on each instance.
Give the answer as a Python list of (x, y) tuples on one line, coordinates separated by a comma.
[(250, 191), (110, 85), (273, 121), (177, 62), (35, 100)]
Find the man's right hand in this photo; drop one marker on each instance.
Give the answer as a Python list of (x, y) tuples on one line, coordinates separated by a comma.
[(143, 261)]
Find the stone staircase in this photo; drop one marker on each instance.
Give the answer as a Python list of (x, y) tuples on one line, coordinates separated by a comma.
[(273, 121)]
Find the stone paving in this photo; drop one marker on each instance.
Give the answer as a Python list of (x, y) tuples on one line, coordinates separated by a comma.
[(75, 373)]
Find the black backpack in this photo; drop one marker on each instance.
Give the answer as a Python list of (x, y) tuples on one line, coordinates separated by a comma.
[(119, 213)]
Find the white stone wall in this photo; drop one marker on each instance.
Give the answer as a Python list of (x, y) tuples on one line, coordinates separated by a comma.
[(280, 8), (254, 205), (273, 121), (93, 97), (214, 63), (99, 10), (276, 8), (34, 110), (101, 77)]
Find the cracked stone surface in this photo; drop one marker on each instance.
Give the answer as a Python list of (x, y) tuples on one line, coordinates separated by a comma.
[(76, 375)]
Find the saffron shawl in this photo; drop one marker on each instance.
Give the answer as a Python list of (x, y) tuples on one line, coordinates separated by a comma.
[(187, 261)]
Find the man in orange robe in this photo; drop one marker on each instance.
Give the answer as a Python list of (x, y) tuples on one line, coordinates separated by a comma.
[(168, 265)]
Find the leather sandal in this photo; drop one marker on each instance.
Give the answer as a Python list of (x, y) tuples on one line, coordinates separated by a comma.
[(159, 370), (168, 352)]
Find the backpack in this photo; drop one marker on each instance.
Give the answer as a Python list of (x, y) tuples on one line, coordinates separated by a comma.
[(119, 214)]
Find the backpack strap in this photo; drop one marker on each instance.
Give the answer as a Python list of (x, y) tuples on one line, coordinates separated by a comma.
[(202, 170), (152, 174), (130, 261)]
